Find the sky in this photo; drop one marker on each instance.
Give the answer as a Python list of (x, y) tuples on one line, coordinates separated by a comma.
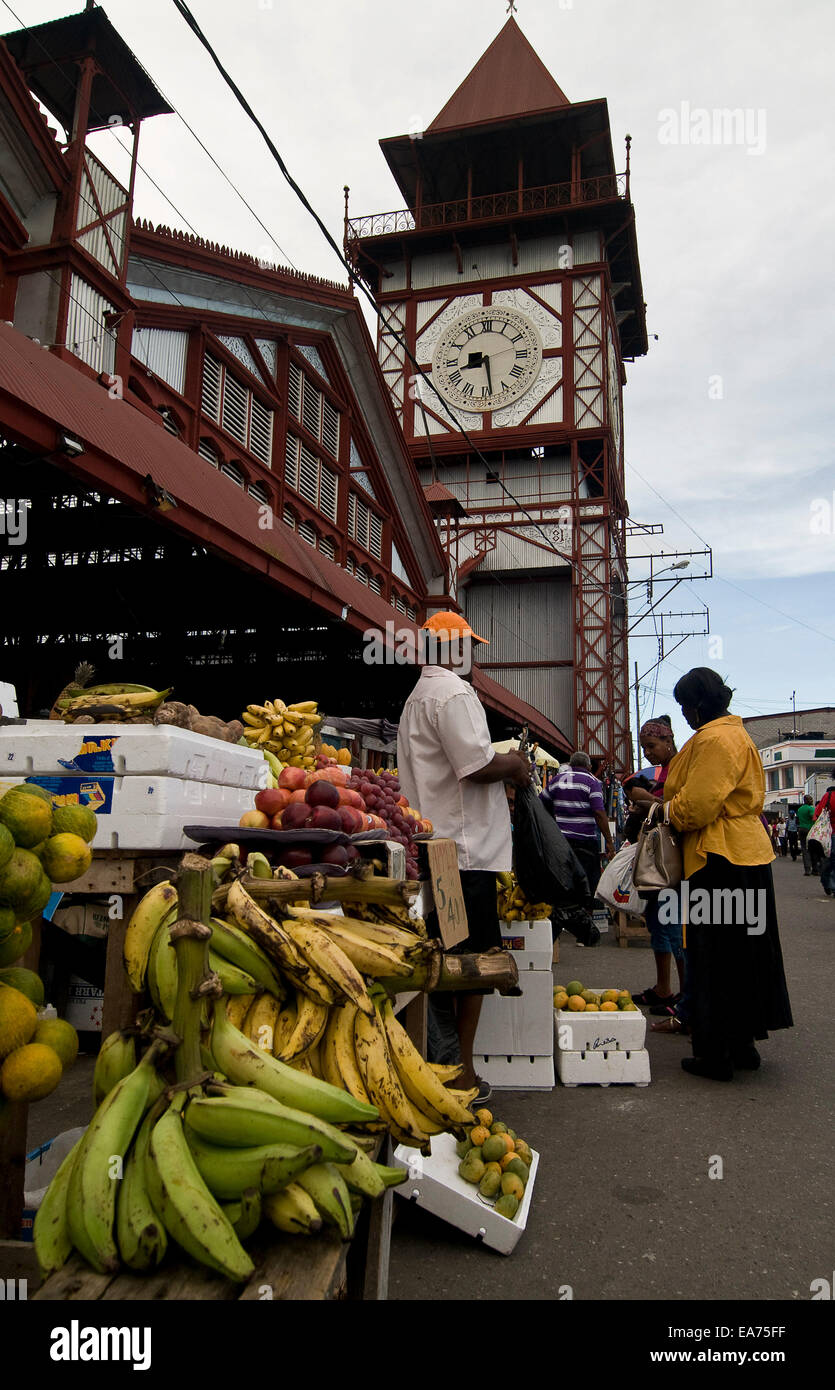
[(729, 418)]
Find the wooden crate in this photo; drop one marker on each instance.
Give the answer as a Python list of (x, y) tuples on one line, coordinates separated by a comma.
[(630, 929)]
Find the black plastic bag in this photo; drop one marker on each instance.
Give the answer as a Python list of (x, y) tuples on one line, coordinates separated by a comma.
[(547, 869)]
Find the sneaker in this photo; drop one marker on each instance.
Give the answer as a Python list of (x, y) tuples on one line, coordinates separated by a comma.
[(485, 1091)]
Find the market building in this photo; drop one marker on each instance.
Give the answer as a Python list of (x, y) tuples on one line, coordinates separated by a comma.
[(204, 472), (510, 298)]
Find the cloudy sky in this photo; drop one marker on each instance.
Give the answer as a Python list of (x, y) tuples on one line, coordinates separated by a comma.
[(729, 419)]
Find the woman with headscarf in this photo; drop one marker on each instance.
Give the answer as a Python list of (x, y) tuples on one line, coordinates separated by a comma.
[(658, 745), (715, 789)]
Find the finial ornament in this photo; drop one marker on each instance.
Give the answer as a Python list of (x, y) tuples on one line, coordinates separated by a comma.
[(511, 7)]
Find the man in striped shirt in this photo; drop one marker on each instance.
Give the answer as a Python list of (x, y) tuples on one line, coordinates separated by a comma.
[(575, 799)]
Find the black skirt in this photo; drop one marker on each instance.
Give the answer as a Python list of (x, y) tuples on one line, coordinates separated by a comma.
[(735, 975)]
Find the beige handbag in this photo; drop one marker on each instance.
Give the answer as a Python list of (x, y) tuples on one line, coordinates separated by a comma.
[(658, 859)]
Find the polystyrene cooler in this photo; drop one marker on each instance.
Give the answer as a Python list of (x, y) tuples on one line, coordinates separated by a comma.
[(54, 749)]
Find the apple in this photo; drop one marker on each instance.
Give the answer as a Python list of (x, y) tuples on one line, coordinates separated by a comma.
[(336, 774), (254, 820), (334, 854), (347, 797), (272, 800), (324, 818), (352, 820), (297, 796), (294, 816), (322, 793), (291, 778), (352, 853), (294, 858)]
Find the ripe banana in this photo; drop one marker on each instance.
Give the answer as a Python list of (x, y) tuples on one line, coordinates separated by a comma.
[(284, 1025), (325, 1184), (244, 1215), (277, 944), (337, 1053), (293, 1211), (142, 928), (424, 1089), (117, 1058), (266, 1167), (446, 1072), (129, 701), (162, 973), (329, 961), (235, 946), (383, 1083), (245, 1065), (258, 865), (91, 1198), (233, 980), (311, 1020), (187, 1208), (140, 1235), (261, 1022), (239, 1118), (362, 1176), (51, 1234), (237, 1008), (368, 957)]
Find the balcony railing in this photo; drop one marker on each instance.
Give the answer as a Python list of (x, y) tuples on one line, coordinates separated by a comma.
[(491, 205)]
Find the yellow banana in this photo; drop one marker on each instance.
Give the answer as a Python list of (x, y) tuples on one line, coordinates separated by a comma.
[(142, 928), (293, 1211), (329, 961), (311, 1019), (382, 1081), (261, 1020), (278, 945), (237, 1008), (285, 1023), (424, 1089)]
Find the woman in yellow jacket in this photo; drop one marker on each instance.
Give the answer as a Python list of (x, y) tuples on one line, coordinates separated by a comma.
[(715, 788)]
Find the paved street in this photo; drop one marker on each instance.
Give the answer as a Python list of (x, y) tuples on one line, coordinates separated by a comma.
[(624, 1207)]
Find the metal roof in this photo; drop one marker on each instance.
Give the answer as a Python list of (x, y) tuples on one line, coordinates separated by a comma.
[(509, 79)]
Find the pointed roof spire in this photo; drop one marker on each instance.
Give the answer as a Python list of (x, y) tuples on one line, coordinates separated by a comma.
[(509, 79)]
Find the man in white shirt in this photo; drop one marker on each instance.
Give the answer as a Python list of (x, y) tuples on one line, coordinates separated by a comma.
[(447, 767)]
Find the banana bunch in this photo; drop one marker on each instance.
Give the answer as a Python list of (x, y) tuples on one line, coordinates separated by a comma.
[(387, 915), (285, 730), (514, 906), (114, 702)]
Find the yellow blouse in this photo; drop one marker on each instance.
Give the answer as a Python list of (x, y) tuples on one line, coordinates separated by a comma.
[(716, 789)]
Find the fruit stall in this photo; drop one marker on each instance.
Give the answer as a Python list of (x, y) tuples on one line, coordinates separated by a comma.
[(262, 1066)]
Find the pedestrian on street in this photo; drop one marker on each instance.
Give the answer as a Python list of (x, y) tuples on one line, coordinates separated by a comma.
[(792, 832), (658, 745), (781, 835), (447, 767), (575, 799), (715, 790), (827, 802), (805, 819)]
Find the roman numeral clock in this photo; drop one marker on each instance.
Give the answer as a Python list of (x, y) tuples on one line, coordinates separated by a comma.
[(487, 358)]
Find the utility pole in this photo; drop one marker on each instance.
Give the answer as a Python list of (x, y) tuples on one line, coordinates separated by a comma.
[(794, 716), (637, 723)]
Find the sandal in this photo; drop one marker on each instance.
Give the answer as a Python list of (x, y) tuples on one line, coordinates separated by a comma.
[(665, 1008), (673, 1024), (649, 996)]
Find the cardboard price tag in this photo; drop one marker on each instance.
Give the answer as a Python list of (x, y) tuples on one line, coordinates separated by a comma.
[(446, 890)]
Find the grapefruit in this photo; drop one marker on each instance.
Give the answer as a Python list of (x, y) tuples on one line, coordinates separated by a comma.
[(27, 817), (18, 1020), (81, 821), (66, 857), (30, 1072)]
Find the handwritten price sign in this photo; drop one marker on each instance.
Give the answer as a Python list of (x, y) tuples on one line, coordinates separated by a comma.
[(446, 888)]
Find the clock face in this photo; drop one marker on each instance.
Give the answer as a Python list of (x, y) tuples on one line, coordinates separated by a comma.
[(487, 358)]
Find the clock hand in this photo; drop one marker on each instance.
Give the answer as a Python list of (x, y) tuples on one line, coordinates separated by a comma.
[(486, 362)]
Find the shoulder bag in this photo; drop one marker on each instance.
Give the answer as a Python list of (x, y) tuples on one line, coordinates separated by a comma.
[(658, 858), (822, 827)]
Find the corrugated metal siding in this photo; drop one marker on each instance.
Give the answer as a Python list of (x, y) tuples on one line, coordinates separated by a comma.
[(489, 263), (397, 275), (87, 335), (587, 249), (110, 195), (163, 351), (549, 691), (523, 622)]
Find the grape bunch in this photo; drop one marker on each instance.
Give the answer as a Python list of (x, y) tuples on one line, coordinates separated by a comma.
[(383, 797)]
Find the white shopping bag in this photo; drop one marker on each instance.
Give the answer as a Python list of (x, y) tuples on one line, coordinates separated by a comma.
[(615, 887)]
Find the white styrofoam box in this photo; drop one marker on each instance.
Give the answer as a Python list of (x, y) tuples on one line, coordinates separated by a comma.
[(613, 1068), (520, 1026), (84, 1006), (516, 1073), (600, 1032), (530, 943), (150, 812), (52, 748), (435, 1186)]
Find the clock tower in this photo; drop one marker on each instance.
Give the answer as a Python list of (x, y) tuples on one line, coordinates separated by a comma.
[(509, 296)]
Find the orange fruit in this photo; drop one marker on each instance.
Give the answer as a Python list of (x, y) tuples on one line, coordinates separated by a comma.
[(479, 1135), (576, 1004), (608, 1008)]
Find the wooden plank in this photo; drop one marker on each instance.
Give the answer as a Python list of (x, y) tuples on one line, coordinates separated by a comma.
[(378, 1249), (75, 1282), (106, 876), (18, 1261), (308, 1268), (180, 1283), (414, 1019), (120, 1002)]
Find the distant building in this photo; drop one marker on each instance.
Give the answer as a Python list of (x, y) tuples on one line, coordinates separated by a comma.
[(789, 765), (768, 729)]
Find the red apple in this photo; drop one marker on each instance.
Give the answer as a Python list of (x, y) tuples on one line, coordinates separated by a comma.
[(322, 793), (334, 854), (336, 774), (297, 796), (324, 818), (294, 858), (254, 820), (272, 800), (352, 820), (291, 778), (294, 816)]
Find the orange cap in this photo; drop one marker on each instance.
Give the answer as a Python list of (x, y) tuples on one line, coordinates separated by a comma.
[(445, 626)]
